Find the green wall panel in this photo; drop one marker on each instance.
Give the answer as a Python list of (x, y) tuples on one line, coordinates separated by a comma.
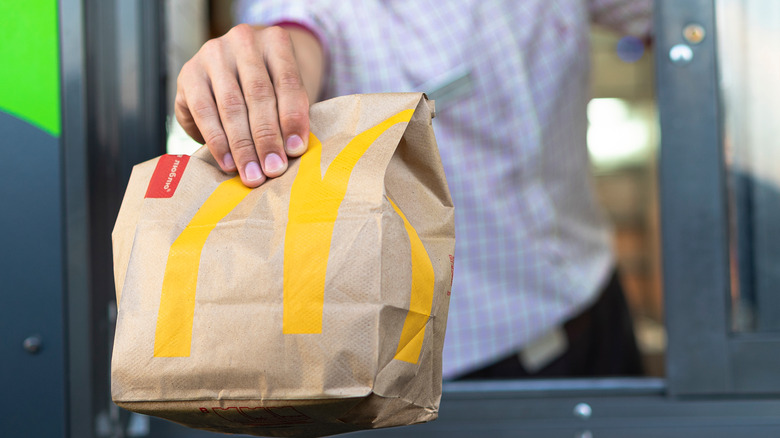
[(29, 55)]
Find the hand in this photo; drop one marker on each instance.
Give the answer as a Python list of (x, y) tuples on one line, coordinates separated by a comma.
[(244, 96)]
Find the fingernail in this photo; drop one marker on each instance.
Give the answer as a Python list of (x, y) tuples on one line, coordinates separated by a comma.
[(253, 172), (273, 163), (294, 144), (227, 161)]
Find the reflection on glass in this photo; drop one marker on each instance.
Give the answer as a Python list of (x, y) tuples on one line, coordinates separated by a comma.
[(748, 40)]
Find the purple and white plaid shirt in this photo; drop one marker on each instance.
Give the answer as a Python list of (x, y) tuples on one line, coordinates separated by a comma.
[(511, 84)]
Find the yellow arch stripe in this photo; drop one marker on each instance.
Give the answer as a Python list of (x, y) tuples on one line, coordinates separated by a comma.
[(423, 279), (314, 205), (173, 336)]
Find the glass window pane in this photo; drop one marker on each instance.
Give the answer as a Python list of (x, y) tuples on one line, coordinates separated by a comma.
[(748, 39)]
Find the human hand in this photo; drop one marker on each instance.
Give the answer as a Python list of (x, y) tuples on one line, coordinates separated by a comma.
[(245, 96)]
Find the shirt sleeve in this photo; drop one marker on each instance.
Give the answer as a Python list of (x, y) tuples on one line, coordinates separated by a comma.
[(628, 17), (285, 12)]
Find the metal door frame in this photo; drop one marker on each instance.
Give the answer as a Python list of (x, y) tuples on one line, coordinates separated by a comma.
[(704, 357)]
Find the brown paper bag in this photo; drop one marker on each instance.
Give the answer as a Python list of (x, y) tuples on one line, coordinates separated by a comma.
[(313, 305)]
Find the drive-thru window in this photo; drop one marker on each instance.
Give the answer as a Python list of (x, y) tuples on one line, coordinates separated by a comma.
[(718, 198)]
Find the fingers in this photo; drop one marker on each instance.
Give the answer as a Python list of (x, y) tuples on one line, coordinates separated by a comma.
[(292, 100), (234, 117), (200, 118), (260, 102), (242, 95), (184, 116)]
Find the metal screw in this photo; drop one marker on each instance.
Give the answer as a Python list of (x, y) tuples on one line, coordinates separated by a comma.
[(583, 410), (681, 54), (33, 344), (694, 33)]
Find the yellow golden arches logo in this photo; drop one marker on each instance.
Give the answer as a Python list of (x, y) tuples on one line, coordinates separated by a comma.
[(423, 282), (314, 204), (173, 336)]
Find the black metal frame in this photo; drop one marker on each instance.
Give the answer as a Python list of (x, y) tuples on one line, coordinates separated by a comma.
[(704, 357), (125, 125), (113, 116), (694, 218), (635, 408), (588, 408), (79, 358)]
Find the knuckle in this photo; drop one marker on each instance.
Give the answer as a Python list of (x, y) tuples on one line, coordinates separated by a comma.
[(260, 90), (186, 122), (189, 75), (215, 138), (293, 119), (277, 34), (202, 109), (289, 81), (179, 101), (211, 47), (241, 145), (241, 31), (233, 104), (242, 39), (264, 134), (185, 71)]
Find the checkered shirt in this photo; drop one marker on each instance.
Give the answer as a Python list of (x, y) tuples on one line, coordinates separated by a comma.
[(511, 80)]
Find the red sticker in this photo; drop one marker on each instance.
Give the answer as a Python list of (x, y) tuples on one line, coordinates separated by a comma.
[(166, 176)]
